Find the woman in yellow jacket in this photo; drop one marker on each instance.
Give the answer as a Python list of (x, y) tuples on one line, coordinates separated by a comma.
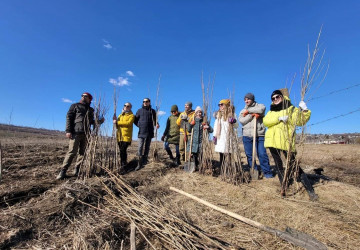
[(281, 122), (124, 124)]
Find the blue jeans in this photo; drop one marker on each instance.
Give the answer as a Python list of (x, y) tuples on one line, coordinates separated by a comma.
[(261, 152), (167, 147)]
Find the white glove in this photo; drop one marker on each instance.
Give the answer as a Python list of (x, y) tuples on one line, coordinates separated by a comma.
[(283, 118), (183, 117), (302, 105)]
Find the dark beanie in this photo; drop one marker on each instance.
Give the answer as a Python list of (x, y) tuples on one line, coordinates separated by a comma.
[(174, 108), (276, 92), (188, 103), (250, 96)]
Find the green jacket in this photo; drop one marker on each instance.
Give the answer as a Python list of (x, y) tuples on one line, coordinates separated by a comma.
[(279, 134), (172, 130)]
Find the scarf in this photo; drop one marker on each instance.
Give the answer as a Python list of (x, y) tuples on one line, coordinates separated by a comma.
[(281, 106)]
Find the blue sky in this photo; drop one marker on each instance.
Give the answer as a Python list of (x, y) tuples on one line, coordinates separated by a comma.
[(52, 51)]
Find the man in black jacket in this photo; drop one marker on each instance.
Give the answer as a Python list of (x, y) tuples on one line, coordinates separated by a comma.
[(79, 119), (145, 120)]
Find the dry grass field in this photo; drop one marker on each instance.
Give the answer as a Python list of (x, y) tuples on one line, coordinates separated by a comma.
[(39, 212)]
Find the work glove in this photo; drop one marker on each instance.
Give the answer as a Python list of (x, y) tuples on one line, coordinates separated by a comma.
[(302, 105), (245, 113), (255, 115), (183, 117), (214, 140), (205, 126), (232, 120), (283, 118), (163, 138), (192, 122)]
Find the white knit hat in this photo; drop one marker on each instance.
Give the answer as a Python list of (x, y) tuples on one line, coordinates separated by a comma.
[(198, 108)]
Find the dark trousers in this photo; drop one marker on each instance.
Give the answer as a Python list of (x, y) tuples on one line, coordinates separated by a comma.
[(301, 176), (144, 141), (222, 157), (123, 145), (276, 154)]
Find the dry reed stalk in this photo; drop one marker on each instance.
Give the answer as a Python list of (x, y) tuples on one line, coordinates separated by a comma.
[(99, 151), (157, 109), (231, 167), (206, 155), (154, 223), (313, 69), (114, 133)]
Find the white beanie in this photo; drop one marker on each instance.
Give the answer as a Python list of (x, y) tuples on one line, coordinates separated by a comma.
[(198, 108)]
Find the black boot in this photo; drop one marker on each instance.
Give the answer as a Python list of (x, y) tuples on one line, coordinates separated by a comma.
[(309, 188), (61, 175), (145, 160), (170, 154), (177, 160)]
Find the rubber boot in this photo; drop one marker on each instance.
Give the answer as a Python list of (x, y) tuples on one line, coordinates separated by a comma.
[(170, 154), (61, 175), (309, 188), (145, 160), (76, 171), (177, 160)]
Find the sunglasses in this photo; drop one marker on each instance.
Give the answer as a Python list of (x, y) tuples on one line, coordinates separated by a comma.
[(275, 97), (84, 96), (220, 104), (128, 106), (146, 101)]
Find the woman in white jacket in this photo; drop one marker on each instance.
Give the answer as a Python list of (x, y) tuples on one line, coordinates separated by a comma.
[(224, 122)]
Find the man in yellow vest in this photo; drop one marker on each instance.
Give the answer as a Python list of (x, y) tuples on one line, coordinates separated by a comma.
[(184, 122)]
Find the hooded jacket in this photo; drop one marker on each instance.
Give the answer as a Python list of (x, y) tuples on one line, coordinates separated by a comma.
[(79, 118), (145, 120), (247, 121), (279, 134), (124, 127)]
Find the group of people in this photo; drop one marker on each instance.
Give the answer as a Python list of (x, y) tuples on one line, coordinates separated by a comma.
[(185, 130)]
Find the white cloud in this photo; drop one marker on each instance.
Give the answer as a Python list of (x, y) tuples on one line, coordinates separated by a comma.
[(107, 44), (161, 113), (66, 100), (130, 73), (120, 81)]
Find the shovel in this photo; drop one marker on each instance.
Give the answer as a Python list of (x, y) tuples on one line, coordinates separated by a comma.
[(190, 166), (254, 172)]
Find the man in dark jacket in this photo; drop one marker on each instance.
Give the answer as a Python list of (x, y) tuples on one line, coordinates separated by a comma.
[(145, 120), (79, 118)]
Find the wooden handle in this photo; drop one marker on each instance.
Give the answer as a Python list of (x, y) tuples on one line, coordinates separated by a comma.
[(254, 145)]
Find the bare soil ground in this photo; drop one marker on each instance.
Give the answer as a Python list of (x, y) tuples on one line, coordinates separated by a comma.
[(39, 212)]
